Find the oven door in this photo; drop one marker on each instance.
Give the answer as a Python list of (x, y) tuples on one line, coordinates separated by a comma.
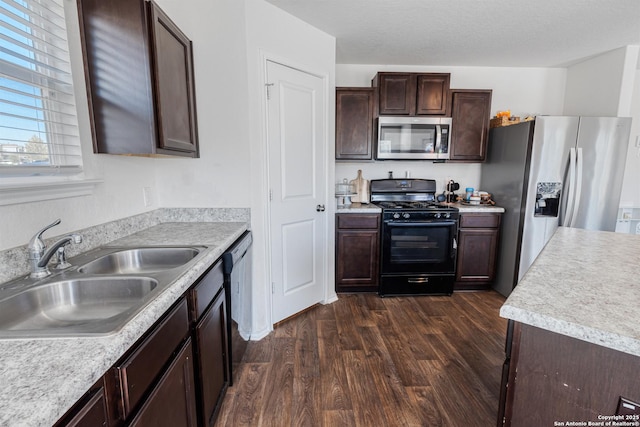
[(427, 247)]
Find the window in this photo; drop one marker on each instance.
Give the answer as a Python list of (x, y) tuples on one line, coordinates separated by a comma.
[(38, 124)]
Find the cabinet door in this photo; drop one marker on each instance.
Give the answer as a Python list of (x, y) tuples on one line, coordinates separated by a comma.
[(433, 94), (354, 123), (477, 249), (115, 46), (357, 264), (172, 401), (211, 345), (357, 252), (174, 86), (397, 93), (470, 110)]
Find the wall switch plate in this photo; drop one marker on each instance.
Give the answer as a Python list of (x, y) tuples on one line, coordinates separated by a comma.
[(147, 195)]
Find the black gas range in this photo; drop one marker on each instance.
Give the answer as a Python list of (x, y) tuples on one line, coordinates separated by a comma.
[(418, 243)]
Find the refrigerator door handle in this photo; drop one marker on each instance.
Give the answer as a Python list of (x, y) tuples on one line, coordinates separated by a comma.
[(578, 186), (572, 184)]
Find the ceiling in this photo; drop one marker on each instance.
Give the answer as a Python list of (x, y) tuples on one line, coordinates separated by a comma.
[(501, 33)]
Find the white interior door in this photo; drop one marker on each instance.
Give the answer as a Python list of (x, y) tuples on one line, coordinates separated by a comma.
[(297, 181)]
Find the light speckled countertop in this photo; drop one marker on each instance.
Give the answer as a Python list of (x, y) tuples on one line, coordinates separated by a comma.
[(360, 208), (586, 285), (372, 208), (477, 208), (42, 378)]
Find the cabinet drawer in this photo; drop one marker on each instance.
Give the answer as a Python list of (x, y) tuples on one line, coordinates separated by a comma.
[(172, 401), (359, 221), (479, 220), (201, 295), (141, 368), (92, 413)]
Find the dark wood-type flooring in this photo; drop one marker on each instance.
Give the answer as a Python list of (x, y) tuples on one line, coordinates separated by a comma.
[(370, 361)]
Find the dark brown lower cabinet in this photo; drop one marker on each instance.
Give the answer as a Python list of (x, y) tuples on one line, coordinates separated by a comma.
[(172, 402), (175, 375), (89, 413), (357, 252), (552, 378), (210, 335), (478, 238)]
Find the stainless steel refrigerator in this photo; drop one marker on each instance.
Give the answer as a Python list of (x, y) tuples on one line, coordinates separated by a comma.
[(554, 171)]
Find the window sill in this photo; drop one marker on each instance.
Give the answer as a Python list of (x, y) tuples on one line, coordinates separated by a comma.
[(13, 194)]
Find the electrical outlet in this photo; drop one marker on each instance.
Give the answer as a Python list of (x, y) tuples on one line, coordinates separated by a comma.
[(627, 407), (147, 195)]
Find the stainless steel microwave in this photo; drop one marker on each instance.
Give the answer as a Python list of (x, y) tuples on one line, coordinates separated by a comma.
[(413, 138)]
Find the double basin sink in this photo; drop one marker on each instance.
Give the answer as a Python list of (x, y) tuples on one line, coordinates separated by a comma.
[(98, 295)]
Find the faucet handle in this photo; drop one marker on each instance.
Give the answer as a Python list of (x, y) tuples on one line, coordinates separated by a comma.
[(36, 245)]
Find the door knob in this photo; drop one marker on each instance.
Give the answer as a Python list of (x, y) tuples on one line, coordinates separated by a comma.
[(320, 208)]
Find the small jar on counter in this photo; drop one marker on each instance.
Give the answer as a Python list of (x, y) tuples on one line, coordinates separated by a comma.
[(468, 193)]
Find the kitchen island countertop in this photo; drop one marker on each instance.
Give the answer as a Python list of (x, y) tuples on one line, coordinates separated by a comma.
[(42, 378), (585, 285)]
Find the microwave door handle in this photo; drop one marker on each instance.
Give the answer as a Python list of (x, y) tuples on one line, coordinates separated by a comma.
[(438, 148)]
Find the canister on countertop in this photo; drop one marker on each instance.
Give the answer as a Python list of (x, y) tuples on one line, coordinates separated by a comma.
[(468, 193)]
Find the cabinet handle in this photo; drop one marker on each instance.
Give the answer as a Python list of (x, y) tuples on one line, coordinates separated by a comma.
[(320, 208)]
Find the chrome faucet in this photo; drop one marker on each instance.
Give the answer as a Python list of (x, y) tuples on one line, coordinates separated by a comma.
[(39, 255)]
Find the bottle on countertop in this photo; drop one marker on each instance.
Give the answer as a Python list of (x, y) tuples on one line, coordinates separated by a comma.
[(468, 193)]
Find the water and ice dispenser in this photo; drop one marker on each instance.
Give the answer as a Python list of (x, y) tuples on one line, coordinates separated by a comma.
[(548, 198)]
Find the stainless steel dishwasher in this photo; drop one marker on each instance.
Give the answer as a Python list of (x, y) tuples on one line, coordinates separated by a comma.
[(237, 263)]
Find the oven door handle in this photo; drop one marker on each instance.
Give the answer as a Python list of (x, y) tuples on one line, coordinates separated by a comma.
[(437, 223), (454, 248)]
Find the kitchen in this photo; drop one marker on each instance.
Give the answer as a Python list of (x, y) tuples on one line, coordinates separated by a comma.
[(223, 177)]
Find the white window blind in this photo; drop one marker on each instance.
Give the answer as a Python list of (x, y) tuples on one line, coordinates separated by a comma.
[(38, 123)]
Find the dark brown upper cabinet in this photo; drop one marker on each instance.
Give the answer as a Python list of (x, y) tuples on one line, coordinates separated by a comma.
[(140, 84), (432, 94), (412, 94), (470, 111), (355, 115)]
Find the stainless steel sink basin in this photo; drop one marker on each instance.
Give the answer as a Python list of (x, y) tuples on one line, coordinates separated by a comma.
[(110, 287), (140, 260), (74, 307)]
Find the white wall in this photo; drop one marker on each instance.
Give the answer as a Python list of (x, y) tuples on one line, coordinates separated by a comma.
[(630, 196), (275, 34), (601, 86), (220, 178), (609, 85), (524, 91)]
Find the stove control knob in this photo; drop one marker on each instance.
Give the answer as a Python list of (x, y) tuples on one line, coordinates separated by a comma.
[(437, 215), (405, 215), (396, 215), (447, 215)]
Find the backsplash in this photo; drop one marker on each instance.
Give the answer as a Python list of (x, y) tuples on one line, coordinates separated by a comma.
[(14, 262)]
